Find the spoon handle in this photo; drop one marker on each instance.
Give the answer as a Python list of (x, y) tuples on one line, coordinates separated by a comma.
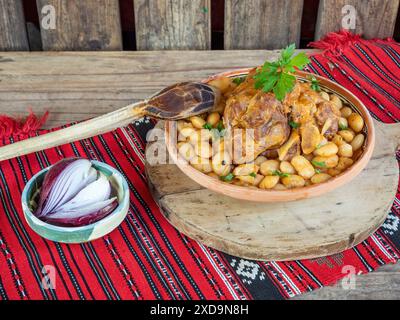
[(82, 130)]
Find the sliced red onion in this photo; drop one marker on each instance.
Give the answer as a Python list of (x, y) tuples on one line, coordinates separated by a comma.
[(74, 193), (84, 220)]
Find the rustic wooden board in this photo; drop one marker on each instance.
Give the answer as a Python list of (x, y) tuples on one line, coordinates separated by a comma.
[(302, 229), (83, 25), (173, 24), (375, 18), (12, 26), (262, 24)]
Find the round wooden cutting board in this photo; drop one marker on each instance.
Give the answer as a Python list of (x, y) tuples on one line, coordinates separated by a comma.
[(302, 229)]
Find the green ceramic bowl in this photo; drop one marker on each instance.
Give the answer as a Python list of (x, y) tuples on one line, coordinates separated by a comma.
[(85, 233)]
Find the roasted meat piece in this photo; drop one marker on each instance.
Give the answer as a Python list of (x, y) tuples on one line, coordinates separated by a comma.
[(263, 118), (327, 116)]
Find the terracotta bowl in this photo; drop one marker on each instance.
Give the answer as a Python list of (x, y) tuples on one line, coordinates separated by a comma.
[(259, 195)]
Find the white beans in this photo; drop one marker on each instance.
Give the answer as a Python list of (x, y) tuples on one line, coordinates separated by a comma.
[(197, 122), (358, 142), (293, 181), (221, 163), (269, 182), (268, 167), (346, 112), (326, 162), (186, 150), (245, 169), (303, 167), (347, 135), (346, 150), (203, 149), (356, 122), (320, 178), (286, 167), (213, 118), (327, 150), (336, 100)]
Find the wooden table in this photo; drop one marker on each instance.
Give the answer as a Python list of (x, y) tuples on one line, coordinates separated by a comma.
[(78, 85)]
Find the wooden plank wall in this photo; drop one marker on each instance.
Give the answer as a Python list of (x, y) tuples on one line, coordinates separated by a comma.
[(173, 24), (375, 18), (262, 24), (186, 24), (12, 26), (82, 25)]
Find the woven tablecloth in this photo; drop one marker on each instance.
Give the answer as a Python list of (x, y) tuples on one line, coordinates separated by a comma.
[(145, 257)]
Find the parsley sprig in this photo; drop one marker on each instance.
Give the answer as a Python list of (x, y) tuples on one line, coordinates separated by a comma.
[(277, 76)]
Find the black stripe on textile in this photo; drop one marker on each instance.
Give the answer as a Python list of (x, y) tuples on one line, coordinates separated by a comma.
[(132, 131), (57, 245), (200, 264), (372, 253), (378, 88), (154, 240), (310, 274), (384, 48), (147, 209), (98, 277), (366, 94), (14, 272), (27, 237), (60, 152), (372, 53), (253, 278), (60, 274), (218, 257), (89, 246), (374, 66), (18, 235), (136, 130), (361, 258), (3, 293), (120, 229), (391, 228), (90, 154)]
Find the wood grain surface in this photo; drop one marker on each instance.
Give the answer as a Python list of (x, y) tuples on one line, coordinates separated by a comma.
[(82, 25), (13, 35), (173, 24), (262, 24), (375, 18), (79, 85)]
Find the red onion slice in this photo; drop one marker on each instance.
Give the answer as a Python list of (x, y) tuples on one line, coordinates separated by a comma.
[(74, 193)]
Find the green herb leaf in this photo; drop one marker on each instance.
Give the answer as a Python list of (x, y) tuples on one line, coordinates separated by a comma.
[(228, 177), (238, 80), (220, 126), (253, 174), (320, 164), (280, 174), (207, 126), (294, 125), (315, 84), (277, 76), (317, 171)]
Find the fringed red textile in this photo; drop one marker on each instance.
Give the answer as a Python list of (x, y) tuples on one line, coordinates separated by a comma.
[(19, 127), (334, 43)]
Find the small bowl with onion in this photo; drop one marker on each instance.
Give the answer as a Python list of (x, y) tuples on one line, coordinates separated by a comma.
[(75, 200)]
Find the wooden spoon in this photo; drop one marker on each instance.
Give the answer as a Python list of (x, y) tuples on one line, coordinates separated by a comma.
[(176, 102)]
